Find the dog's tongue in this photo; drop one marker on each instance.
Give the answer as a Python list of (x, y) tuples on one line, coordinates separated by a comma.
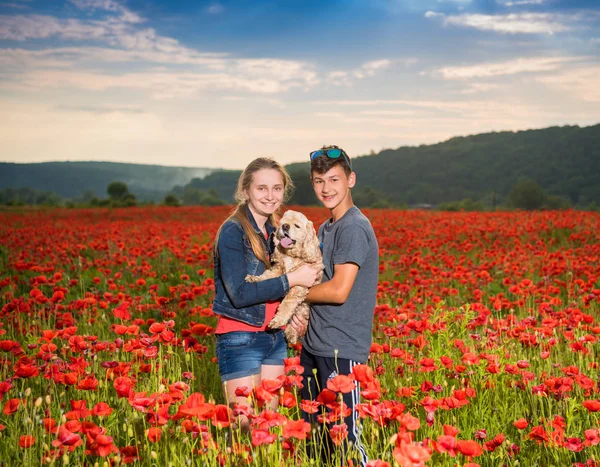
[(286, 242)]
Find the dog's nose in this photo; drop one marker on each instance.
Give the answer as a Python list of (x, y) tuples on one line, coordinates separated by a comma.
[(285, 227)]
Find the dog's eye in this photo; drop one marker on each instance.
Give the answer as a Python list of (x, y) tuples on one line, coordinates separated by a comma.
[(297, 226)]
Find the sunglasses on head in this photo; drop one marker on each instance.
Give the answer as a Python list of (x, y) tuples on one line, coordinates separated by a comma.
[(331, 153)]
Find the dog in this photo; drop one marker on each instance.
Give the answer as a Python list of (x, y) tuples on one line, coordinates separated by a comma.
[(296, 243)]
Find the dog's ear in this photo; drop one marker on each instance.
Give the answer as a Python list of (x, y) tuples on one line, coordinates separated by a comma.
[(310, 247)]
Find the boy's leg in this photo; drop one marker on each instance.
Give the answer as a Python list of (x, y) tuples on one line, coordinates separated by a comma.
[(309, 392), (351, 399), (327, 368)]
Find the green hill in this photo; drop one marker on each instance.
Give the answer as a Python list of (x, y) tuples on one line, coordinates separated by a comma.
[(565, 161), (73, 179)]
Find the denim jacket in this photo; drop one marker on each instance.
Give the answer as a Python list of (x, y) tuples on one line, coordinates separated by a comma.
[(234, 297)]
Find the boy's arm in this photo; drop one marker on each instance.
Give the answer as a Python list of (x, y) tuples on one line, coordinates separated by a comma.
[(336, 290)]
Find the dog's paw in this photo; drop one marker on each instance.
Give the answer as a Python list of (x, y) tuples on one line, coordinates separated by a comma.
[(251, 278), (291, 335), (277, 322)]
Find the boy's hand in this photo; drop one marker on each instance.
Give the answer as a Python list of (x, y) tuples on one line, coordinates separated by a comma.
[(299, 324)]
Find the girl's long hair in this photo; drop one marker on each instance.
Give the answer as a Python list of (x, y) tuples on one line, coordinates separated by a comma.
[(240, 212)]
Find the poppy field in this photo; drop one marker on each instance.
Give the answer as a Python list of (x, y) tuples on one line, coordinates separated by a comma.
[(485, 345)]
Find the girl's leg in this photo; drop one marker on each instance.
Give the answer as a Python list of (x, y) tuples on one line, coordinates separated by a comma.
[(273, 364), (230, 387), (271, 372)]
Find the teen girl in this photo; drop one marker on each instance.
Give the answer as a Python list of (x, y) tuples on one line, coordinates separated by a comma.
[(247, 351)]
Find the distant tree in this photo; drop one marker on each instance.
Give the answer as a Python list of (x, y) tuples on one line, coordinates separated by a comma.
[(466, 204), (129, 200), (369, 197), (117, 191), (556, 202), (196, 197), (29, 196), (172, 200), (303, 193), (527, 194)]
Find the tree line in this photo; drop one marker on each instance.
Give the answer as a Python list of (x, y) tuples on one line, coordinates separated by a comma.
[(550, 168)]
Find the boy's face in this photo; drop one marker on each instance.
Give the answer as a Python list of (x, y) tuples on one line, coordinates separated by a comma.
[(332, 187)]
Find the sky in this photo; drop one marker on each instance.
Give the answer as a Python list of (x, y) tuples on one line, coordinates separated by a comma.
[(219, 83)]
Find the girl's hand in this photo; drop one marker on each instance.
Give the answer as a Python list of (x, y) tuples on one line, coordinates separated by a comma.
[(304, 276)]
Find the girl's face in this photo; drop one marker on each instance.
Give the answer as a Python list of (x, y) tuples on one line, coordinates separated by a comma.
[(265, 194)]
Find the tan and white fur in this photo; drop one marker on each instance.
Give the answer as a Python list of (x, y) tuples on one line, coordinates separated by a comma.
[(296, 243)]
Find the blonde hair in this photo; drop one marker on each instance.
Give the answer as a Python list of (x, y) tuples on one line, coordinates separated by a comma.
[(240, 212)]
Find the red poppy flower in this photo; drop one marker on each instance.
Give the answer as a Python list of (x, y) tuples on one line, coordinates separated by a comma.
[(102, 446), (446, 444), (591, 405), (310, 406), (129, 454), (101, 409), (89, 383), (521, 423), (298, 429), (261, 437), (363, 374), (221, 417), (12, 405), (153, 434), (469, 448), (338, 433), (409, 454), (377, 463), (67, 439), (271, 385), (288, 400), (202, 330), (538, 434), (341, 383), (26, 441)]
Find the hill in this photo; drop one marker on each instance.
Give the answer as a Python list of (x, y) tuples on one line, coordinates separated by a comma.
[(73, 179), (565, 161)]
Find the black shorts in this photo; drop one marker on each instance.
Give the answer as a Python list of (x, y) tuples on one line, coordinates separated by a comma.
[(327, 368)]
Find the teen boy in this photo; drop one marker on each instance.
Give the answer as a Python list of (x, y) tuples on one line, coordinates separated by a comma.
[(342, 306)]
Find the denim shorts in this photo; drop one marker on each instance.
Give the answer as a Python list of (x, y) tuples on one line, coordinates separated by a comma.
[(242, 353)]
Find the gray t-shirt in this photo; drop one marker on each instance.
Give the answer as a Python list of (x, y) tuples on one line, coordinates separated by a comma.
[(347, 327)]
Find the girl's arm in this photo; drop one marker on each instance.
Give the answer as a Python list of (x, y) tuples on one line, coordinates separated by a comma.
[(232, 261)]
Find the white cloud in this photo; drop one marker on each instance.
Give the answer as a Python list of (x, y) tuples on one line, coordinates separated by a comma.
[(525, 2), (511, 67), (474, 88), (366, 70), (514, 23), (371, 68), (433, 14), (273, 79), (22, 27), (215, 9), (339, 78), (108, 5), (581, 82), (128, 43), (18, 6)]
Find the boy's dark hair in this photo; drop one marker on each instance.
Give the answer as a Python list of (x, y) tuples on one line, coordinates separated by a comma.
[(321, 164)]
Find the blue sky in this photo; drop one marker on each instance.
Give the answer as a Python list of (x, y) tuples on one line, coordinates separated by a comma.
[(216, 84)]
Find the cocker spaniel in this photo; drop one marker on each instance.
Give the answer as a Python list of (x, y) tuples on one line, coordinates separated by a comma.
[(296, 243)]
